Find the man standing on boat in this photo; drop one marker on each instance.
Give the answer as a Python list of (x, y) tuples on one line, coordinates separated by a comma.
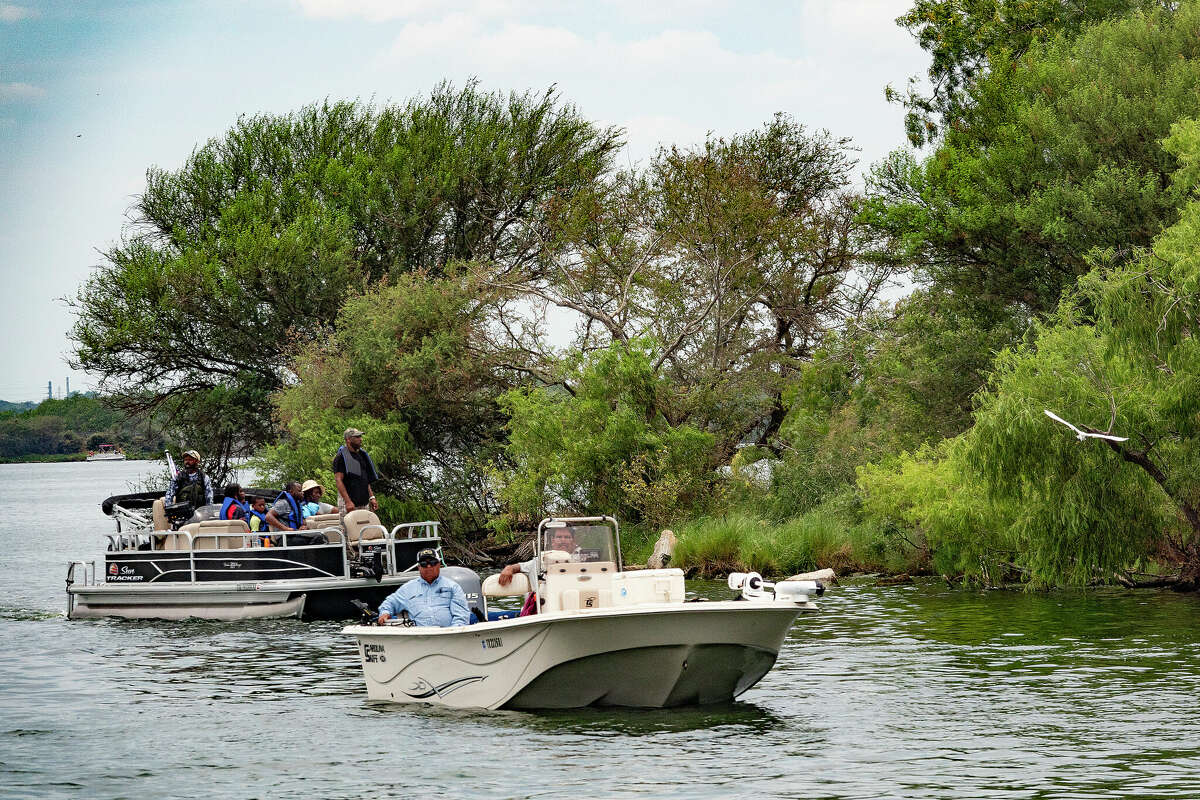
[(354, 472), (430, 600), (190, 485)]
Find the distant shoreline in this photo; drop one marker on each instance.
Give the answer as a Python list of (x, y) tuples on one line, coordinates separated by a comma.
[(53, 458)]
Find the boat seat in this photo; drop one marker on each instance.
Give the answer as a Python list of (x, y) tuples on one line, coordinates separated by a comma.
[(328, 524), (207, 535), (363, 524), (519, 585), (158, 513)]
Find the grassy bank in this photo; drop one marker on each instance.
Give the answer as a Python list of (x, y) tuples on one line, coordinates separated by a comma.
[(824, 537)]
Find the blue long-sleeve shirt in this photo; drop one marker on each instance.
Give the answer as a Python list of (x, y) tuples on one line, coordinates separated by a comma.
[(441, 603)]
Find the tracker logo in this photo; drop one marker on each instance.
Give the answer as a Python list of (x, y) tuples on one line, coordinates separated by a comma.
[(112, 569)]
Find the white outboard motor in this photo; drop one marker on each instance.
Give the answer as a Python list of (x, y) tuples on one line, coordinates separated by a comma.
[(754, 588)]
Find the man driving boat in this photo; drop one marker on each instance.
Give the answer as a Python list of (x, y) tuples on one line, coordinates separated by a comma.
[(562, 539), (430, 600)]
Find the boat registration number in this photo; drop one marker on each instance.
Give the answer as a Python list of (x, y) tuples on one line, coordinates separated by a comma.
[(492, 643)]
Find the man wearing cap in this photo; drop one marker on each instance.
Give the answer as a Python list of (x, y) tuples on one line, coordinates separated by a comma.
[(354, 472), (190, 485), (430, 600)]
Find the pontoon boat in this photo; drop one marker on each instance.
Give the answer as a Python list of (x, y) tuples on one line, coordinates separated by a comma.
[(168, 562)]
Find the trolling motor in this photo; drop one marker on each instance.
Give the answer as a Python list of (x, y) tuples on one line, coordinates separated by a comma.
[(369, 616), (751, 586), (370, 564)]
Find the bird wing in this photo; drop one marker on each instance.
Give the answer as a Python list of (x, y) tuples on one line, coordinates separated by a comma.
[(1108, 436), (1057, 418)]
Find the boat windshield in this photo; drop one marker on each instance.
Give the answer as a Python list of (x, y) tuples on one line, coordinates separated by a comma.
[(582, 541)]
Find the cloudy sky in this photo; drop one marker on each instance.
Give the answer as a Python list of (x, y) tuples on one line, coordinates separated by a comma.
[(92, 93)]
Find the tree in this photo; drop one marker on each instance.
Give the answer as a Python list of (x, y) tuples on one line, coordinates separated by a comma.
[(605, 447), (732, 261), (1120, 356), (250, 249), (407, 363), (1055, 155), (966, 38)]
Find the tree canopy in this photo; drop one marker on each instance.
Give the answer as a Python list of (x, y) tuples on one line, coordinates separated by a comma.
[(252, 246), (1055, 155)]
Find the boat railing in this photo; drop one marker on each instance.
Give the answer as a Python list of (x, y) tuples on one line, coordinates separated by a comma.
[(191, 543), (135, 519), (89, 572)]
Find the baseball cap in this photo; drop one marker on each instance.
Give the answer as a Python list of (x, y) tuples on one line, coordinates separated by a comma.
[(351, 432), (191, 453), (428, 554)]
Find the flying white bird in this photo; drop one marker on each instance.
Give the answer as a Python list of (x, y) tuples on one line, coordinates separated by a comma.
[(1081, 435)]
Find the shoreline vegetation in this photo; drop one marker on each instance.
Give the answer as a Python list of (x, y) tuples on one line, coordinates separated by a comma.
[(736, 371), (67, 429)]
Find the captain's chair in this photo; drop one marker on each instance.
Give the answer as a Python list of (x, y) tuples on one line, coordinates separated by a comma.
[(362, 524)]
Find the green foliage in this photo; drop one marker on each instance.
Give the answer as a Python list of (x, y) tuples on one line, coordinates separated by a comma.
[(924, 367), (829, 535), (250, 249), (71, 425), (1054, 155), (966, 38), (735, 257), (928, 502), (605, 447), (1090, 508), (403, 365)]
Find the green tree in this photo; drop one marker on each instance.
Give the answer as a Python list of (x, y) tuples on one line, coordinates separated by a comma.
[(734, 258), (407, 363), (250, 249), (1055, 155), (1092, 508), (965, 37), (603, 447)]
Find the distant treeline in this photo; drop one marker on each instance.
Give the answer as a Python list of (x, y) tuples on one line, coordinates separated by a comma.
[(72, 426)]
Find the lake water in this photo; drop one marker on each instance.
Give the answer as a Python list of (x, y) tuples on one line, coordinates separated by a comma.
[(897, 692)]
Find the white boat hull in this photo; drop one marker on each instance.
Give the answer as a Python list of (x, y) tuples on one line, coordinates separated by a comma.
[(651, 656), (214, 600)]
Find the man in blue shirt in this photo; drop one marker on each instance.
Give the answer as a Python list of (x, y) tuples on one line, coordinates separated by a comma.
[(430, 599)]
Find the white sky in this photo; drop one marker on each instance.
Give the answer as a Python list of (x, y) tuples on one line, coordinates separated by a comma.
[(93, 93)]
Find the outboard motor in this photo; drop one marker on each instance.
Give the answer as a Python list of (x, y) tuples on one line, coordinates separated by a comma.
[(178, 514), (472, 587), (371, 564)]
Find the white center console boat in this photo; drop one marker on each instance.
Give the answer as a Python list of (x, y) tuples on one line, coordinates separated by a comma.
[(601, 636), (155, 567)]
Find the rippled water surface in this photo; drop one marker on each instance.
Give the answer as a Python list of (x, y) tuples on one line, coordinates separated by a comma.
[(912, 691)]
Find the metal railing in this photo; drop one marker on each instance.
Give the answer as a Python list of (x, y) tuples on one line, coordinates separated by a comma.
[(251, 540)]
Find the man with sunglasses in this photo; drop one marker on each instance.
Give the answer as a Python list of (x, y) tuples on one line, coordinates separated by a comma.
[(430, 600)]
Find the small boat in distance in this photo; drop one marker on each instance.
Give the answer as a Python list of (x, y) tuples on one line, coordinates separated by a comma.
[(601, 636), (107, 452)]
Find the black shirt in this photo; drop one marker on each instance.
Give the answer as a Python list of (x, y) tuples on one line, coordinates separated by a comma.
[(357, 486)]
